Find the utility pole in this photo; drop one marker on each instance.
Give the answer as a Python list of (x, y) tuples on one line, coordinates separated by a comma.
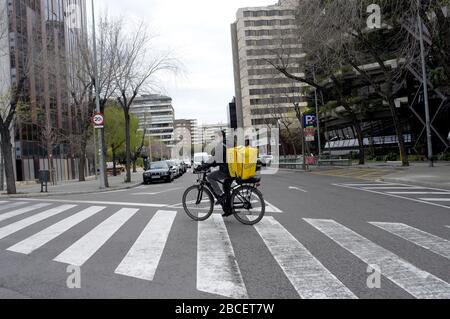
[(97, 104), (302, 128), (2, 172), (425, 88), (317, 116)]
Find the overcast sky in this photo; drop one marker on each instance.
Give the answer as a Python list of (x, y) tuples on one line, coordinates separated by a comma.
[(199, 32)]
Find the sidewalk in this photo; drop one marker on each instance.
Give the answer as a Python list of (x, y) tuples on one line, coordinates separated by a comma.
[(421, 174), (76, 188)]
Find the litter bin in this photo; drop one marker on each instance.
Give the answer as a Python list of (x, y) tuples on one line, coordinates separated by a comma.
[(44, 177)]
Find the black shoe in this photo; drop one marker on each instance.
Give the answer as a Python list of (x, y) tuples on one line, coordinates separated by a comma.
[(227, 214), (221, 200)]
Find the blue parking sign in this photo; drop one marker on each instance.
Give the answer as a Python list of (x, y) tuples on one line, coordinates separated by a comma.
[(310, 120)]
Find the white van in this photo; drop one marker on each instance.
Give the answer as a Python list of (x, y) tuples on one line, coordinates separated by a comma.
[(200, 158)]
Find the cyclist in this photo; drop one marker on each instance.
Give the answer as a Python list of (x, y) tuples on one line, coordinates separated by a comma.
[(222, 175)]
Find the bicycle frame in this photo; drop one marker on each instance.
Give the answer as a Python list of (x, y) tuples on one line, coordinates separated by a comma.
[(203, 182)]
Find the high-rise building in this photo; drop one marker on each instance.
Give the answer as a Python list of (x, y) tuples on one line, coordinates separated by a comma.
[(259, 36), (187, 127), (38, 40), (156, 116), (208, 131)]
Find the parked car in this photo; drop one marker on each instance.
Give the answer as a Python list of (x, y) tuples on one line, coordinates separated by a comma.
[(188, 163), (159, 171), (266, 160), (200, 158), (176, 171), (183, 166)]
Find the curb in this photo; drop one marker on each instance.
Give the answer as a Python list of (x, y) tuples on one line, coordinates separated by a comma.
[(419, 183), (39, 195)]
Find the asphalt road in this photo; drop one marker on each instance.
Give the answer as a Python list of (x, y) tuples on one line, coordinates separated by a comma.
[(318, 239)]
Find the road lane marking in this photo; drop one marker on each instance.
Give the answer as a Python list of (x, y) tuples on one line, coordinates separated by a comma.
[(297, 189), (217, 268), (369, 185), (419, 193), (383, 188), (11, 205), (99, 203), (80, 252), (157, 193), (22, 211), (436, 199), (415, 281), (143, 258), (24, 223), (423, 239), (35, 242), (395, 196), (309, 277)]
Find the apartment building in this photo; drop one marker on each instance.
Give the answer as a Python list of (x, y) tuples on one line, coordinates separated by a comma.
[(156, 116), (260, 36), (188, 129), (208, 131), (38, 40)]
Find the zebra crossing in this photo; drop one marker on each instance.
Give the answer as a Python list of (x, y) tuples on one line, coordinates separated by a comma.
[(424, 195), (218, 268)]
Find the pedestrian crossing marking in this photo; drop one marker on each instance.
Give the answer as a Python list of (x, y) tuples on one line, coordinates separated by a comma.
[(427, 201), (35, 242), (217, 268), (413, 280), (309, 277), (80, 252), (24, 223), (21, 211), (11, 205), (423, 239), (143, 258)]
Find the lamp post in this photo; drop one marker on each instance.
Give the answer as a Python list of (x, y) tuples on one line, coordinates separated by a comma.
[(425, 88), (97, 104)]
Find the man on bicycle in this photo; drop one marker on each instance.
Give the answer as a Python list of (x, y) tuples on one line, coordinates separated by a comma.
[(219, 159)]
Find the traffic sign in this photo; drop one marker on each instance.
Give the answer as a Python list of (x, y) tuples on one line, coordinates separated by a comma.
[(98, 120)]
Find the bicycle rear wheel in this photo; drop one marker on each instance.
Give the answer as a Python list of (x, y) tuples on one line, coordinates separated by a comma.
[(248, 203), (198, 203)]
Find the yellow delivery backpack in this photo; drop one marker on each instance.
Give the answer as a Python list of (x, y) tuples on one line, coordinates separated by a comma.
[(242, 162)]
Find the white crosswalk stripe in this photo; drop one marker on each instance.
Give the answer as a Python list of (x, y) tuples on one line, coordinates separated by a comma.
[(423, 239), (217, 268), (21, 211), (143, 258), (308, 276), (218, 271), (24, 223), (40, 239), (80, 252), (10, 205), (413, 280)]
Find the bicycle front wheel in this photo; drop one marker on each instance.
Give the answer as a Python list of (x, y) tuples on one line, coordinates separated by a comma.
[(198, 203), (249, 206)]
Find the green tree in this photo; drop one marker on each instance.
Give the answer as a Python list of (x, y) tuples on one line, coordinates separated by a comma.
[(114, 132)]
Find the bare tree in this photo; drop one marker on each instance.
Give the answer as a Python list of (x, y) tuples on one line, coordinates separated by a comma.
[(136, 72), (11, 94)]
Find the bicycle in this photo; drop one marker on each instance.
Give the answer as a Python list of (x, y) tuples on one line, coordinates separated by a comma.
[(245, 201)]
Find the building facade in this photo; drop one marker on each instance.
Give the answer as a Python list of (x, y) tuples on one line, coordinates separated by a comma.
[(208, 131), (259, 36), (187, 132), (156, 116), (42, 39)]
